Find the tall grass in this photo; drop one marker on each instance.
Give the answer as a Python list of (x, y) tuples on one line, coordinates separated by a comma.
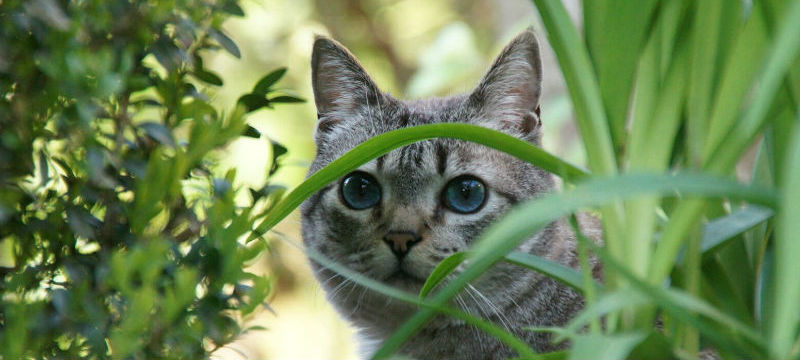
[(669, 95)]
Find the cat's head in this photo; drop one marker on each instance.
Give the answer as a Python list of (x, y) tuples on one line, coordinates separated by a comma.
[(398, 216)]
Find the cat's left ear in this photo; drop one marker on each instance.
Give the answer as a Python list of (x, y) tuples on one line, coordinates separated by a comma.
[(508, 95)]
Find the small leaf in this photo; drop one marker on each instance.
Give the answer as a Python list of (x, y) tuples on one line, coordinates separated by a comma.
[(190, 90), (287, 99), (82, 222), (225, 42), (208, 77), (262, 86), (221, 187), (251, 132), (231, 7), (147, 102), (268, 191), (44, 169), (166, 53), (254, 102), (278, 150), (446, 267), (719, 230), (158, 132)]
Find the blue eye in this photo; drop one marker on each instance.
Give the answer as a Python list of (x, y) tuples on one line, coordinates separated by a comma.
[(360, 190), (464, 194)]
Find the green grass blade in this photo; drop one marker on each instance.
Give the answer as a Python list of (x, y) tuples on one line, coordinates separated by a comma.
[(728, 148), (590, 112), (446, 267), (736, 79), (582, 85), (705, 34), (781, 54), (615, 50), (504, 236), (501, 334), (554, 270), (786, 312), (605, 347), (684, 306), (386, 142), (721, 230)]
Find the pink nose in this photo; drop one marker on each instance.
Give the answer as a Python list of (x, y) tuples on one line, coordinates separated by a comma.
[(401, 241)]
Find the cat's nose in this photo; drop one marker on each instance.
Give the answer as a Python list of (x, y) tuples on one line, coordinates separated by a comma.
[(401, 241)]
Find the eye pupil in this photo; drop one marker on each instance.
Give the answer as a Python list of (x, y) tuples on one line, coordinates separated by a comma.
[(360, 190), (464, 194)]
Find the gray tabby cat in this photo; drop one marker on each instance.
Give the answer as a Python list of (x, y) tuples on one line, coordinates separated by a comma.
[(398, 216)]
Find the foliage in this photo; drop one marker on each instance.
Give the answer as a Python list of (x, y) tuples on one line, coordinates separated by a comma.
[(123, 236), (659, 87)]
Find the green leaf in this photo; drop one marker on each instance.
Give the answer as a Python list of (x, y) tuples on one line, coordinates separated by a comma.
[(44, 169), (527, 218), (566, 275), (286, 99), (501, 334), (208, 77), (385, 143), (231, 7), (718, 231), (251, 132), (444, 268), (582, 85), (254, 102), (278, 150), (82, 222), (166, 53), (786, 295), (225, 42), (605, 347), (158, 132), (263, 85)]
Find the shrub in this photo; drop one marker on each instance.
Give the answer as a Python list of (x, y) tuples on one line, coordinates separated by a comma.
[(124, 238)]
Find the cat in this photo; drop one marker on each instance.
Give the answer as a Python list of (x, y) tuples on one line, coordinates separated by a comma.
[(396, 217)]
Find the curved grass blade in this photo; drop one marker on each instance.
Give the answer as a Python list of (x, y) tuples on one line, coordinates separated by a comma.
[(505, 235), (386, 142), (446, 267), (681, 305), (566, 275), (719, 231), (499, 333)]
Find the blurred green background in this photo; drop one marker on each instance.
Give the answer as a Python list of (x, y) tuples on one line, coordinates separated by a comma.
[(413, 49)]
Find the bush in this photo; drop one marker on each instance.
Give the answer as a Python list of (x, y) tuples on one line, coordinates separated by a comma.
[(124, 239)]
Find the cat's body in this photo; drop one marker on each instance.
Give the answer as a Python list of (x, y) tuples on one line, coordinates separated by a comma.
[(398, 216)]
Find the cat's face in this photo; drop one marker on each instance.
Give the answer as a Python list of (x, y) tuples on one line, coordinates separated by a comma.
[(398, 216)]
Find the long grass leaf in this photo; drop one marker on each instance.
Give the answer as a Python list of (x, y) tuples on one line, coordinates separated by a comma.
[(386, 142), (786, 312), (442, 270), (582, 85), (782, 53), (705, 34), (501, 334), (521, 222), (721, 230), (554, 270)]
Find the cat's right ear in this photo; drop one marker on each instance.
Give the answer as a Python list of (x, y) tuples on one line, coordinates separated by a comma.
[(340, 83)]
